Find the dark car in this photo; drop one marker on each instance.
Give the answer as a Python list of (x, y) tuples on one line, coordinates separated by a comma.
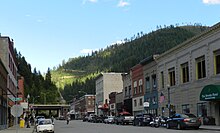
[(97, 119), (142, 119), (124, 119), (85, 118), (181, 121)]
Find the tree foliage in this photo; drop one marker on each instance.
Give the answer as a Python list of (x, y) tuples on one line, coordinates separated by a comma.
[(39, 88), (121, 57)]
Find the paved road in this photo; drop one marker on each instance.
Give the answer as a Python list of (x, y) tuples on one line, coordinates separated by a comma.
[(77, 126)]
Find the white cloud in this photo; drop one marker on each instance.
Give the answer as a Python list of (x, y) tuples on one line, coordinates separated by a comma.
[(27, 15), (123, 3), (211, 1), (39, 20), (87, 51), (92, 1)]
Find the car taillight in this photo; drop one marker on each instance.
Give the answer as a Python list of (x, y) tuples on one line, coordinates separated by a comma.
[(186, 120), (200, 120)]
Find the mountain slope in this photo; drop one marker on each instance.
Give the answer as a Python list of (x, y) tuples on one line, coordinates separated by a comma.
[(121, 57)]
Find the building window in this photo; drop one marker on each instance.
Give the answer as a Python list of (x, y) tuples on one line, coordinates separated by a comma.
[(129, 92), (185, 108), (141, 102), (147, 79), (172, 76), (162, 79), (135, 87), (154, 81), (140, 86), (217, 62), (201, 110), (126, 91), (135, 103), (185, 72), (112, 106), (200, 66)]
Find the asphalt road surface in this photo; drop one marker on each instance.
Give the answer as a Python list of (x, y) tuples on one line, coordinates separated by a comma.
[(77, 126)]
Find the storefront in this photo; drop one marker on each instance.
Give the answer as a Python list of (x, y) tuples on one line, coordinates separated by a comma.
[(211, 94)]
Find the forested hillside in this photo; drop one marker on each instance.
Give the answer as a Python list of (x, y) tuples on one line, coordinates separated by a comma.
[(119, 57), (40, 89)]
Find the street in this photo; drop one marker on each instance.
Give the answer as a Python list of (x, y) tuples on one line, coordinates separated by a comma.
[(77, 126)]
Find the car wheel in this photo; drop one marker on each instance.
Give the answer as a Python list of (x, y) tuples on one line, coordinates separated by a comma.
[(179, 126), (168, 126)]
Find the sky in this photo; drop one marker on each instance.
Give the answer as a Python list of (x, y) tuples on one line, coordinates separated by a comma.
[(46, 32)]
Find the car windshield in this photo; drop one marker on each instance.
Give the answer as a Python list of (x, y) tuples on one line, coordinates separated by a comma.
[(45, 122)]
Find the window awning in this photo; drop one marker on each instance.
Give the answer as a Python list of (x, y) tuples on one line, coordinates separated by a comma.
[(210, 93)]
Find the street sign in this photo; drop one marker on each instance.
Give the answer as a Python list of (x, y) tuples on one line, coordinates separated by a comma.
[(16, 99), (16, 110)]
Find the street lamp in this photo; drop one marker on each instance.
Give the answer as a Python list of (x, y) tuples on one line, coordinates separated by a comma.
[(168, 90)]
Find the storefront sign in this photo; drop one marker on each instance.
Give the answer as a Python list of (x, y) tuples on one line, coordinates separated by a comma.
[(210, 92), (146, 104)]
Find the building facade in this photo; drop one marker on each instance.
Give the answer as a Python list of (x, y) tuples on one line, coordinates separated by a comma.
[(119, 103), (127, 93), (84, 106), (150, 85), (7, 55), (3, 96), (137, 89), (189, 77), (112, 103), (105, 84)]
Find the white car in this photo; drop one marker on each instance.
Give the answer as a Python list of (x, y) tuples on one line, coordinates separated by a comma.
[(109, 119), (45, 125)]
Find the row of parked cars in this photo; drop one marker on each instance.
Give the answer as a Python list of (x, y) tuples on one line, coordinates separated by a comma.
[(178, 121)]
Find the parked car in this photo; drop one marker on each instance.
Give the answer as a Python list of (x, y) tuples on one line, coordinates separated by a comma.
[(85, 118), (142, 119), (98, 119), (181, 121), (61, 118), (109, 119), (90, 117), (124, 119), (37, 118), (45, 125)]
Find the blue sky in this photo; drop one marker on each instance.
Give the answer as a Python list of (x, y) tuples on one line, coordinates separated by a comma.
[(47, 32)]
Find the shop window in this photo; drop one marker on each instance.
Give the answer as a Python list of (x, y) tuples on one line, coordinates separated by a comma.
[(185, 72), (200, 66), (217, 62), (201, 110), (162, 79), (172, 76), (185, 108)]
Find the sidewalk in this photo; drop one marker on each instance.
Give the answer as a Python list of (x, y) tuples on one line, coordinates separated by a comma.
[(20, 130), (210, 127)]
